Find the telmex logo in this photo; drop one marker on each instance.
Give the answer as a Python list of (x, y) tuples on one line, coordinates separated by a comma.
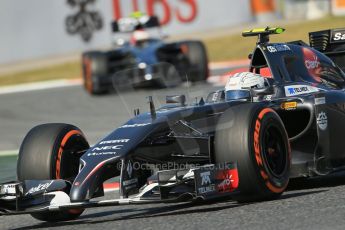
[(298, 90), (205, 178)]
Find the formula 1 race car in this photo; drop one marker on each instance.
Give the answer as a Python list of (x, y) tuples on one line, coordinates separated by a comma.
[(143, 52), (244, 142)]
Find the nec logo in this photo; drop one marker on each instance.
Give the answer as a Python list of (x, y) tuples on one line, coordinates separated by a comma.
[(114, 147), (339, 36)]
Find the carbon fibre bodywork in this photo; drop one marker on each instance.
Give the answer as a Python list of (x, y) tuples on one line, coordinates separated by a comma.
[(305, 88)]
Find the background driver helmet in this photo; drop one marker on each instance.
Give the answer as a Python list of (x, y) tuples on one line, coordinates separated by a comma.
[(239, 85)]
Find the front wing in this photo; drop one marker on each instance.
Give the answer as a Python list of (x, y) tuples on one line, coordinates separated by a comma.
[(206, 182)]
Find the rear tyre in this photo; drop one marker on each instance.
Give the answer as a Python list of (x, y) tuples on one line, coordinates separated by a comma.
[(94, 66), (198, 60), (52, 151), (255, 138)]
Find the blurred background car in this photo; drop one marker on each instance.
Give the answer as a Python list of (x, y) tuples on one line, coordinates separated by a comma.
[(144, 50)]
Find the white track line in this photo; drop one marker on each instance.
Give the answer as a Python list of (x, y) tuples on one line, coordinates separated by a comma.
[(39, 86), (73, 82), (60, 84), (9, 153)]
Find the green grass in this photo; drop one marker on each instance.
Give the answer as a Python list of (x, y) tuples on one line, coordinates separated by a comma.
[(237, 47), (232, 47), (7, 168), (61, 71)]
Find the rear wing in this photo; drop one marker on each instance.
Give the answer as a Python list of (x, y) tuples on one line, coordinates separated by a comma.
[(330, 42)]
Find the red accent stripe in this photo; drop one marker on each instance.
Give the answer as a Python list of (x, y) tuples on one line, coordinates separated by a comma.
[(114, 185), (93, 171)]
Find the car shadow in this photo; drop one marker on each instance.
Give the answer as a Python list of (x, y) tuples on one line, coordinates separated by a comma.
[(309, 186), (332, 180), (158, 211)]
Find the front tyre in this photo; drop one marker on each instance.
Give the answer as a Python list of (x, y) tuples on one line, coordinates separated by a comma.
[(254, 136), (48, 152)]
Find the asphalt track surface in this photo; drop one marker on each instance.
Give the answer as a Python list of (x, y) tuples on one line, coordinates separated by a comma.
[(94, 115), (308, 204), (313, 204)]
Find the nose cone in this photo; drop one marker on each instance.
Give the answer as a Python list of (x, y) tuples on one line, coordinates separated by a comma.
[(79, 193), (88, 181)]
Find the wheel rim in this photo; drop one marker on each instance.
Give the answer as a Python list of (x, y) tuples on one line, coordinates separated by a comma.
[(274, 151)]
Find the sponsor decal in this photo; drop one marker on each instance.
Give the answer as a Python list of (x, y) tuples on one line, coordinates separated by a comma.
[(268, 97), (278, 48), (320, 100), (8, 189), (338, 36), (108, 147), (179, 11), (322, 121), (102, 150), (206, 182), (101, 154), (257, 153), (39, 188), (312, 63), (215, 96), (229, 180), (205, 178), (134, 125), (114, 141), (84, 22), (294, 90), (130, 182), (290, 105)]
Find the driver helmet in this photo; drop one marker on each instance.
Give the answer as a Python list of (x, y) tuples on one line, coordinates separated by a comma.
[(238, 86)]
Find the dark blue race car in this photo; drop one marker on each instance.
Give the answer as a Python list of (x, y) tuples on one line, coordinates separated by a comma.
[(143, 52), (244, 142)]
